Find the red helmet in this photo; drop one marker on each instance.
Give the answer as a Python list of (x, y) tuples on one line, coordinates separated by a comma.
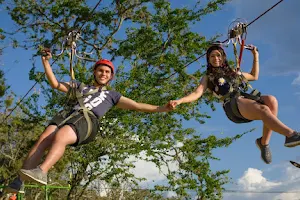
[(105, 62)]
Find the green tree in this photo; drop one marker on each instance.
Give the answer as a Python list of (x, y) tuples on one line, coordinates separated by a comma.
[(152, 41), (16, 135)]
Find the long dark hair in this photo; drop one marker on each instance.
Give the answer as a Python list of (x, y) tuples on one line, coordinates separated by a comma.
[(225, 66)]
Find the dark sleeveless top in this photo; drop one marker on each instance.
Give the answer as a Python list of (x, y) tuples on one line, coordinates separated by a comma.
[(222, 80)]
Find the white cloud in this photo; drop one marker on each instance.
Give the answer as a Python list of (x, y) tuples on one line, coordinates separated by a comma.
[(253, 184), (149, 170), (170, 194), (143, 169), (290, 184), (292, 173), (259, 187), (253, 180)]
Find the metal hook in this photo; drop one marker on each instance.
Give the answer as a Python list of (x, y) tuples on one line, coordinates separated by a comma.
[(239, 29), (84, 58), (70, 43)]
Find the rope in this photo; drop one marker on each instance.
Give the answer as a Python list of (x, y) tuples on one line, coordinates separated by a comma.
[(72, 74), (185, 66), (227, 39), (51, 65), (196, 59), (236, 56), (241, 52)]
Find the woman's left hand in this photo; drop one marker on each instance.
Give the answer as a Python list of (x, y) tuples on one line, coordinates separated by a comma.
[(254, 49)]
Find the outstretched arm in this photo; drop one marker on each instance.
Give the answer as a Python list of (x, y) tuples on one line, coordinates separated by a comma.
[(253, 75), (193, 96), (129, 104), (61, 86)]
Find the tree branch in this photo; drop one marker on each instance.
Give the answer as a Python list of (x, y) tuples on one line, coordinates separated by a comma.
[(112, 34), (43, 14)]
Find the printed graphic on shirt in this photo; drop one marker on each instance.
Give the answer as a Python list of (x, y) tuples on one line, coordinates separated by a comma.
[(90, 104), (99, 102)]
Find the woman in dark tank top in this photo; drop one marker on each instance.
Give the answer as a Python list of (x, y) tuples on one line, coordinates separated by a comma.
[(226, 84)]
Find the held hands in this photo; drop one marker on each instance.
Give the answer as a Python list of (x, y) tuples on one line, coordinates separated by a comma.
[(173, 103), (169, 106)]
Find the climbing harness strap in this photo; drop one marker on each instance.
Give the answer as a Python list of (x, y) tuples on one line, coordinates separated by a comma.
[(75, 94), (82, 109), (238, 35), (231, 108)]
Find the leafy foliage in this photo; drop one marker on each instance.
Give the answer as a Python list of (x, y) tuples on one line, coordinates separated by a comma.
[(151, 42)]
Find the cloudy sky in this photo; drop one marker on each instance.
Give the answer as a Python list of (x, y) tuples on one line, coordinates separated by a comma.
[(275, 34)]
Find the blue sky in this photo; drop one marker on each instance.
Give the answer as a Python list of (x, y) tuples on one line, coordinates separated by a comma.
[(275, 35)]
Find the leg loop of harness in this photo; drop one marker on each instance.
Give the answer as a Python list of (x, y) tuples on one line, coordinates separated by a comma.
[(231, 109), (230, 105), (76, 93)]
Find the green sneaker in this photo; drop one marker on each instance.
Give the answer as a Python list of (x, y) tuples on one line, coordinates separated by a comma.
[(265, 151), (36, 175)]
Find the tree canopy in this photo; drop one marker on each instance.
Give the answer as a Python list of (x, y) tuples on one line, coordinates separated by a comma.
[(150, 42)]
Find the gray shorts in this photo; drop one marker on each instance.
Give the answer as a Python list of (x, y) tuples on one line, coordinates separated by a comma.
[(79, 124)]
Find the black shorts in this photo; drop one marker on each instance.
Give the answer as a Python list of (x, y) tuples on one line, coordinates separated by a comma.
[(232, 111), (79, 124)]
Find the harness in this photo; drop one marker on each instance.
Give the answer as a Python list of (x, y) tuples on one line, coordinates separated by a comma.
[(75, 95), (231, 108), (238, 87)]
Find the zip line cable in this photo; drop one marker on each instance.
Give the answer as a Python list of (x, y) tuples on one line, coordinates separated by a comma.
[(186, 65), (264, 13), (227, 39), (196, 59)]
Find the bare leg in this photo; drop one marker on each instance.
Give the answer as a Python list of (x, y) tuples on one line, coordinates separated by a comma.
[(63, 137), (37, 152), (272, 103), (255, 111)]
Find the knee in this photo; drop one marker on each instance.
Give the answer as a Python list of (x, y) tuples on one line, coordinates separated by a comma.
[(271, 102), (63, 137), (58, 138), (264, 110)]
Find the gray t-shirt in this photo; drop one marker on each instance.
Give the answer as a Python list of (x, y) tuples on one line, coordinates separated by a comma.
[(99, 102)]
